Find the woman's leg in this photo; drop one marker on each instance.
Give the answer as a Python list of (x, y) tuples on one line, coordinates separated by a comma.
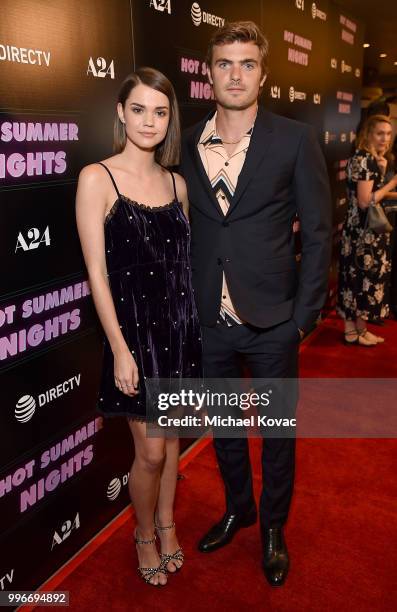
[(165, 505), (351, 333), (143, 485), (350, 325)]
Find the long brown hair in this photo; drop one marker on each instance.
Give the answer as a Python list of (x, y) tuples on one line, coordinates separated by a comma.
[(241, 31), (364, 135), (168, 152)]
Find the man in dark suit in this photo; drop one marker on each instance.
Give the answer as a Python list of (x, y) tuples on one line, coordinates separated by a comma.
[(249, 172)]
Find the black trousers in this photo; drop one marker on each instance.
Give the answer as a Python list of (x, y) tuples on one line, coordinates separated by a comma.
[(267, 353)]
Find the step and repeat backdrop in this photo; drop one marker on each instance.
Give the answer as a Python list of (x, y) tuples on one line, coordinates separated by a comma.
[(63, 469)]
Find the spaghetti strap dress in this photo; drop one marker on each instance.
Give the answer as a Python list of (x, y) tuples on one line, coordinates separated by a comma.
[(147, 258)]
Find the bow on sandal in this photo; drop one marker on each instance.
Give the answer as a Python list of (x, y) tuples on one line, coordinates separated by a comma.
[(175, 556), (147, 573)]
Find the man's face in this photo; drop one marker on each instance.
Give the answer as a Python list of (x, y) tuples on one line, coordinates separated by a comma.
[(235, 74)]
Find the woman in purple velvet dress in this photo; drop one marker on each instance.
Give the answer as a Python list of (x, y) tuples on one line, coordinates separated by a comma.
[(132, 222)]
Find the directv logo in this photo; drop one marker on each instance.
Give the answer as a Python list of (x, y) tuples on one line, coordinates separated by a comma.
[(26, 405), (296, 95), (196, 14), (114, 489), (318, 13), (199, 17), (25, 408)]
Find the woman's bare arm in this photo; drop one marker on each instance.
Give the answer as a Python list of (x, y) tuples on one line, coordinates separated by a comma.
[(182, 193), (364, 192), (90, 216)]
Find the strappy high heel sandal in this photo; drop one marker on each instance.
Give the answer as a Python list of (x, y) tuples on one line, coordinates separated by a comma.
[(175, 556), (363, 341), (148, 572), (350, 334), (373, 337)]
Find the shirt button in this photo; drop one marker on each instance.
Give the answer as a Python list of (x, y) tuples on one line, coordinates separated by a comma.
[(225, 223)]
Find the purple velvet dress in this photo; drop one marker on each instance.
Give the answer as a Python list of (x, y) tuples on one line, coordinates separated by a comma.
[(147, 258)]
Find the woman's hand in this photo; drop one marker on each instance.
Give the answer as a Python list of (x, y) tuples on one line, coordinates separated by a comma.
[(126, 376)]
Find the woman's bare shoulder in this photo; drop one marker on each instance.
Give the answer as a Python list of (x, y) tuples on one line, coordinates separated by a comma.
[(92, 173), (96, 171)]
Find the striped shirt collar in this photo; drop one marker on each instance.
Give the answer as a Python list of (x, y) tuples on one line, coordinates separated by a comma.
[(210, 136)]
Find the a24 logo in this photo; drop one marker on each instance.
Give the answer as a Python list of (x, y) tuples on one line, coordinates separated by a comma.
[(65, 531), (100, 68), (161, 5), (33, 239)]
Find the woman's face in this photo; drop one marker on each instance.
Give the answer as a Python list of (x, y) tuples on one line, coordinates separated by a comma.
[(380, 137), (146, 115)]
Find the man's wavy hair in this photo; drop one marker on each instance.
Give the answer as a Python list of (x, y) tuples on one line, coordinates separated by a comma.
[(241, 31)]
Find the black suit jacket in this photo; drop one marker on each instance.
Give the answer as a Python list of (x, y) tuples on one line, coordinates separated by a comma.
[(284, 173)]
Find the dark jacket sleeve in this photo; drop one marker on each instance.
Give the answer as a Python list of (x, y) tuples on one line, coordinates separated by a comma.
[(184, 141), (180, 167), (313, 200)]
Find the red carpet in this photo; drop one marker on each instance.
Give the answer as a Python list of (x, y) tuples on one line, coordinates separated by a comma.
[(324, 355), (341, 534)]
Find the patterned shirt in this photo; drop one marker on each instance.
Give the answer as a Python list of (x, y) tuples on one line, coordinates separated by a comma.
[(223, 172)]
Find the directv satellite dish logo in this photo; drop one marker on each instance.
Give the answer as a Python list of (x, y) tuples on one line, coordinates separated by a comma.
[(314, 10), (25, 408), (196, 14), (114, 489)]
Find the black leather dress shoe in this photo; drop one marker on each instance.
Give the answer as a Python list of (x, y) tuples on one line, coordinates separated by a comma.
[(223, 532), (275, 556)]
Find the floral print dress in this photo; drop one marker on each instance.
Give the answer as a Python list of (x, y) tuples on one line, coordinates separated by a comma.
[(364, 263)]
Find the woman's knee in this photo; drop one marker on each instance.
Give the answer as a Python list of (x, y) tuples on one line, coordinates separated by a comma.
[(151, 459)]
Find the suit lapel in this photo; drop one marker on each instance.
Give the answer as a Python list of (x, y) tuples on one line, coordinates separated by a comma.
[(198, 164), (260, 144)]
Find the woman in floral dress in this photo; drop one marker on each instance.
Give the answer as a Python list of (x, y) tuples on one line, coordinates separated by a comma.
[(364, 265)]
